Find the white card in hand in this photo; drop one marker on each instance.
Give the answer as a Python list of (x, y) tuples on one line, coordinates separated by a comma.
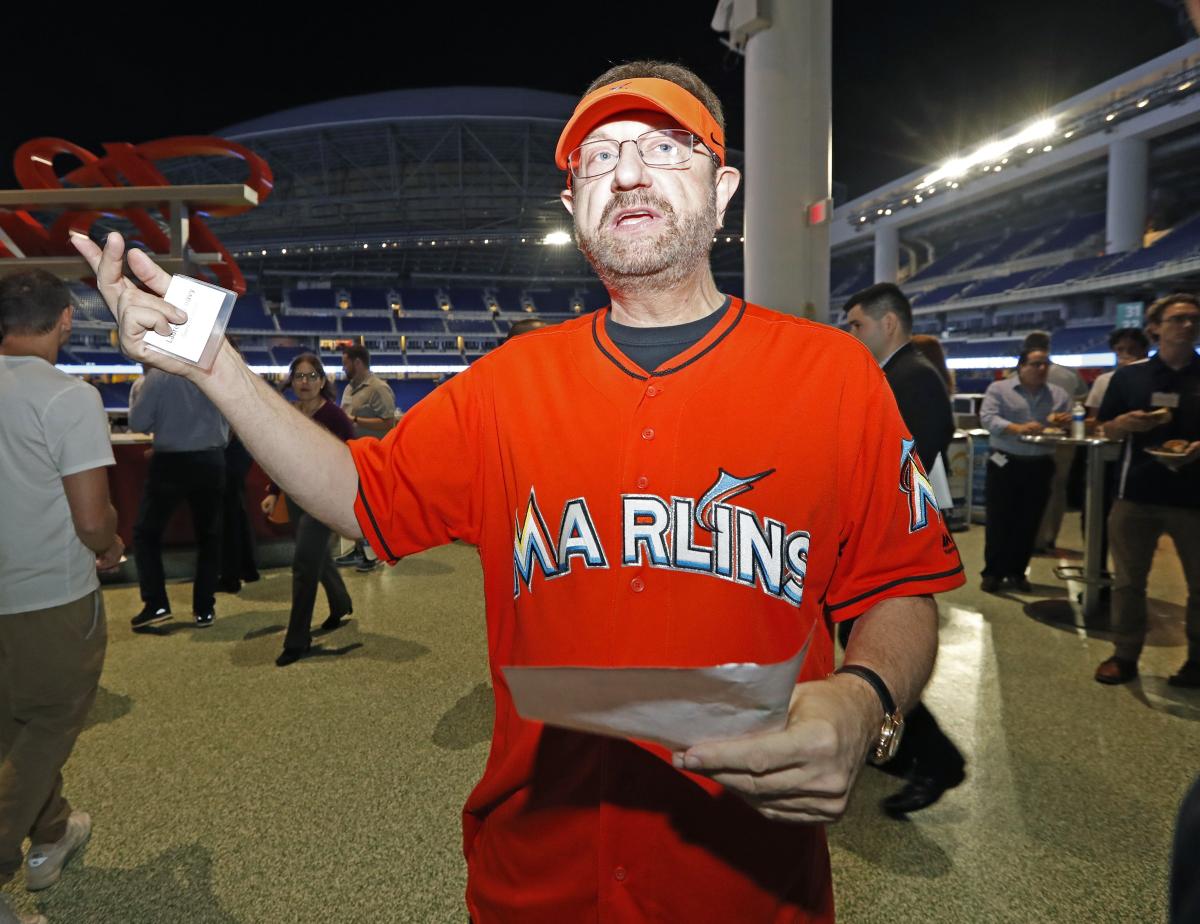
[(208, 308)]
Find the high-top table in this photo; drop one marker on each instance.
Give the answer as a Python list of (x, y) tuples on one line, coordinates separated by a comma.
[(1092, 574)]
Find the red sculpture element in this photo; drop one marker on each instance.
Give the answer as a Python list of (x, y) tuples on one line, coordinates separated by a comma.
[(127, 165)]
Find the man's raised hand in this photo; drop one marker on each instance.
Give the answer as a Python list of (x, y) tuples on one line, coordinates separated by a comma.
[(134, 310)]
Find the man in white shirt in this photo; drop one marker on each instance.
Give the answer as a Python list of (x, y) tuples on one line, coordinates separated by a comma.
[(57, 526)]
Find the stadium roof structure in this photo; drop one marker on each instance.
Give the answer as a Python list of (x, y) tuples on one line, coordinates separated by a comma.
[(427, 184), (1157, 100)]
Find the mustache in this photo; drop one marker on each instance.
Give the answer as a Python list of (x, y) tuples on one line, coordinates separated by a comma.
[(633, 199)]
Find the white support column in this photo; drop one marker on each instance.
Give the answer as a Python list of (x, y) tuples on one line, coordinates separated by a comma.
[(1128, 178), (788, 140), (887, 254)]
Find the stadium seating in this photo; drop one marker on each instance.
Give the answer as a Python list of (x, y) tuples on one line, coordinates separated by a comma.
[(470, 326), (409, 391), (307, 323), (369, 300), (419, 299), (1073, 234), (463, 299), (435, 359), (509, 299), (420, 325), (250, 315), (360, 325), (310, 298), (937, 296)]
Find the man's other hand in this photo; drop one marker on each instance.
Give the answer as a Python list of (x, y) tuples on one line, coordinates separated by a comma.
[(110, 558), (804, 773)]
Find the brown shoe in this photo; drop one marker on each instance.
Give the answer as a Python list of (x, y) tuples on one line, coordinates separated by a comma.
[(1116, 670)]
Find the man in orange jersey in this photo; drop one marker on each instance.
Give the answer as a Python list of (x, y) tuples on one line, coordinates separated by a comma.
[(723, 479)]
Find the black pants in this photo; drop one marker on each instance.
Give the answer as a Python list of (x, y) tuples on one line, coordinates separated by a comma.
[(1016, 498), (925, 750), (198, 478), (238, 561), (312, 564)]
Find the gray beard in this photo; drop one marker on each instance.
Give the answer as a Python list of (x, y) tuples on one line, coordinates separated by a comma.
[(657, 263)]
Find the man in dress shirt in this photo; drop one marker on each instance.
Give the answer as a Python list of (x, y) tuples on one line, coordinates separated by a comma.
[(188, 463), (1018, 473), (881, 317), (371, 407), (1156, 495)]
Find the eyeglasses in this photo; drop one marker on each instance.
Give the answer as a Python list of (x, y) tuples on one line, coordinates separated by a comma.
[(306, 376), (666, 147)]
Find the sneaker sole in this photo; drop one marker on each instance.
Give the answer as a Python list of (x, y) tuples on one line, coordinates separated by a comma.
[(165, 617), (75, 851)]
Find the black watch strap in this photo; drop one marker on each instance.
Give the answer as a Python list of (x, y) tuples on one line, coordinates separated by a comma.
[(885, 696)]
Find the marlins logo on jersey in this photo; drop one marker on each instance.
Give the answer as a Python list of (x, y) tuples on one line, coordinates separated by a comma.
[(709, 536), (915, 483)]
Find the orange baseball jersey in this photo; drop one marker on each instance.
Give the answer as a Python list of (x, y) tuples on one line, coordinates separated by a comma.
[(710, 512)]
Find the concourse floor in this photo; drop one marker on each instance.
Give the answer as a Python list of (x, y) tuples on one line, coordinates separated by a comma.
[(225, 790)]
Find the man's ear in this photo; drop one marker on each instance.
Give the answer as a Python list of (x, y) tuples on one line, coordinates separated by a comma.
[(568, 200), (727, 180)]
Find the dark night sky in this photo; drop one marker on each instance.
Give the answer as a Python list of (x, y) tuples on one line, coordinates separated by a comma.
[(913, 79)]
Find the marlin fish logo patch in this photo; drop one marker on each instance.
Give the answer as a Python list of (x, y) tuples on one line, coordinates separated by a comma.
[(916, 485), (727, 486)]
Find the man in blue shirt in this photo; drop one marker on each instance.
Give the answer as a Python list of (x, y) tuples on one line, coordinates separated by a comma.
[(190, 436), (1018, 473), (1149, 404)]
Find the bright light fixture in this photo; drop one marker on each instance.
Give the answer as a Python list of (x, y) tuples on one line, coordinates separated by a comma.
[(557, 238), (1143, 103), (1186, 85), (1110, 117), (958, 166)]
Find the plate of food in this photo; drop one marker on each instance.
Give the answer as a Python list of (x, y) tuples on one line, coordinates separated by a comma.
[(1160, 415), (1171, 449), (1053, 431)]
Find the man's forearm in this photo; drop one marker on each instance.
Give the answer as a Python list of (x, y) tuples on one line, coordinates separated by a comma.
[(897, 638), (100, 539), (373, 423), (312, 465)]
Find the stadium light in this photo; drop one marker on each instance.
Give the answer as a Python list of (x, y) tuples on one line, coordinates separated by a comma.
[(1110, 117), (959, 166), (1186, 85), (1143, 103), (558, 238)]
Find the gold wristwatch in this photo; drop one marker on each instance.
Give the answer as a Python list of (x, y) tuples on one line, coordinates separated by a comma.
[(888, 742)]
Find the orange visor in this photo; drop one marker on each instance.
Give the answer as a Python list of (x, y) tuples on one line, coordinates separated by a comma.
[(640, 93)]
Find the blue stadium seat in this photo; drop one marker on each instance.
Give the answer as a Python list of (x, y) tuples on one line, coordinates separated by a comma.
[(368, 299), (435, 359), (321, 324), (463, 299), (419, 298), (420, 326), (409, 391), (249, 314), (509, 299), (470, 326), (311, 298), (359, 325)]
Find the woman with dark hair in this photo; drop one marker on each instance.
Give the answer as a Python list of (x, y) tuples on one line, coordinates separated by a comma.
[(312, 561), (931, 348)]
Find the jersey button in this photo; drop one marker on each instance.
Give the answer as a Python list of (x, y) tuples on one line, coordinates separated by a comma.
[(638, 585), (619, 874), (648, 433), (643, 482), (653, 391)]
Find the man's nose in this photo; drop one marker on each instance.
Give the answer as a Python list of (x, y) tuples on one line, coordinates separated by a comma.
[(631, 171)]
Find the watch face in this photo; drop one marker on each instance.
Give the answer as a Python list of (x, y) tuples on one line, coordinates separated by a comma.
[(889, 738)]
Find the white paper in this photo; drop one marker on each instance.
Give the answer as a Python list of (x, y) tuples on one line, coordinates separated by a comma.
[(673, 706), (941, 484), (202, 304)]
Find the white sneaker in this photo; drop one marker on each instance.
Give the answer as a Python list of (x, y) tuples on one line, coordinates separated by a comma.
[(44, 863), (8, 916)]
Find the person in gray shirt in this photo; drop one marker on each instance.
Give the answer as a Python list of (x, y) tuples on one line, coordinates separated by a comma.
[(188, 463), (1018, 473)]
